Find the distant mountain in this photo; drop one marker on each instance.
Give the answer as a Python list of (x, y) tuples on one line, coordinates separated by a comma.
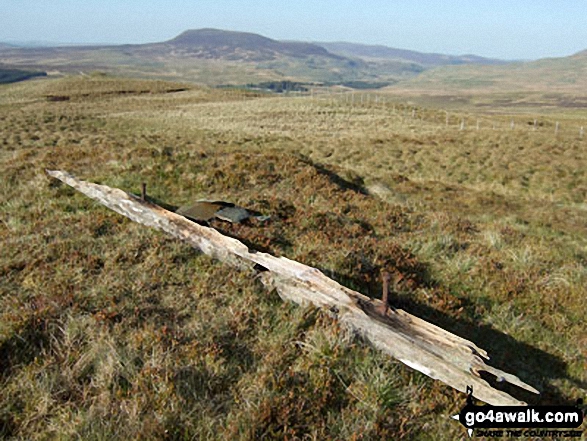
[(208, 56), (378, 52), (29, 44), (218, 44)]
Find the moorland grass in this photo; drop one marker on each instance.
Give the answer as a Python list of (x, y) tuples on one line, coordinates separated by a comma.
[(109, 330)]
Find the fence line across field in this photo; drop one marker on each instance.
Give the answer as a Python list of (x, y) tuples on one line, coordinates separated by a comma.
[(411, 114), (444, 117)]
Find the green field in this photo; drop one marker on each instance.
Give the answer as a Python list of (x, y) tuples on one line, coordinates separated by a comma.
[(109, 330)]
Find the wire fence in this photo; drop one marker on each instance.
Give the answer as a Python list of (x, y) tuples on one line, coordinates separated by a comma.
[(413, 114)]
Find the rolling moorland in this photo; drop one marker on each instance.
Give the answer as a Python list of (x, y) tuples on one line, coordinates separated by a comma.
[(475, 202), (565, 75), (105, 322)]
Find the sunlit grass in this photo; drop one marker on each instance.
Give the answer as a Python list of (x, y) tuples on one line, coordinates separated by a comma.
[(110, 330)]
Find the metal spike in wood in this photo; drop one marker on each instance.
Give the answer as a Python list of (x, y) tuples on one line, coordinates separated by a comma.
[(420, 345), (385, 278)]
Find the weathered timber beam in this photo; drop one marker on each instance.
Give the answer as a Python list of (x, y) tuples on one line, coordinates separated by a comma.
[(421, 345)]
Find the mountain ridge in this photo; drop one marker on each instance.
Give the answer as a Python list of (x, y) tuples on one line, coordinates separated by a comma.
[(427, 59)]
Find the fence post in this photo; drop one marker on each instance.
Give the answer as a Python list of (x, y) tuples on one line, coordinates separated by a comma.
[(462, 124), (556, 128), (581, 132), (512, 124), (477, 124)]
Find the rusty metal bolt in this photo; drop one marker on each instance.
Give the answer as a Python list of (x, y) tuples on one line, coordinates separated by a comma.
[(385, 278)]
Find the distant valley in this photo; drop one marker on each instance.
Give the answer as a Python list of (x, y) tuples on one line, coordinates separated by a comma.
[(216, 57)]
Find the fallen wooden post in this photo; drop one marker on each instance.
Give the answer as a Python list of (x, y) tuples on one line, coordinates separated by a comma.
[(421, 345)]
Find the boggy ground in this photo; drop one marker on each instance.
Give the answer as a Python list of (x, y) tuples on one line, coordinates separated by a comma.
[(111, 330)]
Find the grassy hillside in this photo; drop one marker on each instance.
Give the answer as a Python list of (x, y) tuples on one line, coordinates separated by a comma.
[(555, 75), (109, 330)]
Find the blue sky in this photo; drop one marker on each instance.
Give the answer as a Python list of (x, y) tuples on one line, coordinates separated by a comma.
[(513, 29)]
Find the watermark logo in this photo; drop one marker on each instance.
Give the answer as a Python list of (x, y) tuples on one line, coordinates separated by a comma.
[(520, 421)]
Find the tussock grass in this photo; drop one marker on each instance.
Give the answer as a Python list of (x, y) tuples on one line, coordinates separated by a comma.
[(109, 330)]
